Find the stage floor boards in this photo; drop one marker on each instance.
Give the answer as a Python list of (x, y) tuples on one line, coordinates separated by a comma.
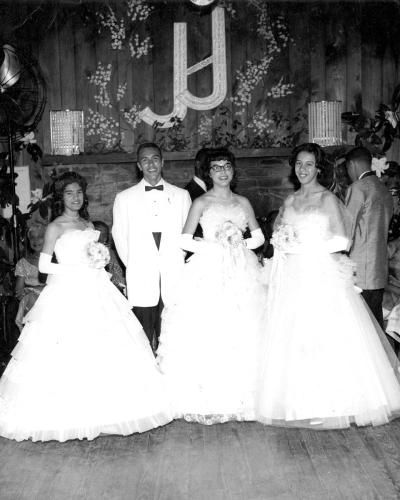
[(183, 461)]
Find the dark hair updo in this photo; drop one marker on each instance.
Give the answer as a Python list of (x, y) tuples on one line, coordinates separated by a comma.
[(216, 154), (320, 163), (61, 182)]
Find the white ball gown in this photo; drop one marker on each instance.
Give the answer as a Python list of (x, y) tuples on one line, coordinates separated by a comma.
[(83, 365), (211, 332), (325, 362)]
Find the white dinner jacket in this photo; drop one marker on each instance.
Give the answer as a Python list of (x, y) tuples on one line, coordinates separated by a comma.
[(145, 264)]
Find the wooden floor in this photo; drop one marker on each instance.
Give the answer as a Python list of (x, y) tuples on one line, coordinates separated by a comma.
[(190, 461)]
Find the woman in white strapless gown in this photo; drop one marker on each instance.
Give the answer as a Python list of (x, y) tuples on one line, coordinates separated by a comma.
[(211, 332), (83, 365), (325, 362)]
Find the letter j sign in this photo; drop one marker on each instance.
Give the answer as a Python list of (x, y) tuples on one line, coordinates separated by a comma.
[(184, 99)]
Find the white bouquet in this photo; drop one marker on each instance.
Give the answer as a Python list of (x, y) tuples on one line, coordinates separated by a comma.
[(284, 237), (229, 234), (98, 254)]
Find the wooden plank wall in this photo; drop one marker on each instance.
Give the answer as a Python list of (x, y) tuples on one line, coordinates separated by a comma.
[(354, 74)]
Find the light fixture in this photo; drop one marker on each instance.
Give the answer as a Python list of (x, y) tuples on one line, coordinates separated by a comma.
[(324, 122), (202, 3), (66, 132)]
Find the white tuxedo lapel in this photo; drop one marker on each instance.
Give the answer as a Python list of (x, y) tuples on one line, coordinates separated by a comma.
[(140, 228)]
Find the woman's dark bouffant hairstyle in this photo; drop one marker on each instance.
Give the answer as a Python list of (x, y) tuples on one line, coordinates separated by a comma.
[(216, 154), (320, 162), (61, 182)]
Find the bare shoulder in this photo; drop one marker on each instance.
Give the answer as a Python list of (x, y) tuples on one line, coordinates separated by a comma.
[(289, 200), (54, 228), (241, 199), (329, 197), (201, 202)]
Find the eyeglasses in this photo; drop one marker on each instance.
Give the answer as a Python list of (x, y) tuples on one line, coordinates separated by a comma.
[(219, 168)]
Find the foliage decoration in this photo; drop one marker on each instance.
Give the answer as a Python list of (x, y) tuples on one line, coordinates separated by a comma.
[(377, 133), (225, 126)]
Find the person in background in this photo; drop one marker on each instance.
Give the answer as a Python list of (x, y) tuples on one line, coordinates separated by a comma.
[(28, 282), (371, 206), (114, 267), (197, 187), (267, 226), (147, 222)]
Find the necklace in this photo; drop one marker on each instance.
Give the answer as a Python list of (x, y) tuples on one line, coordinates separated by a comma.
[(70, 216)]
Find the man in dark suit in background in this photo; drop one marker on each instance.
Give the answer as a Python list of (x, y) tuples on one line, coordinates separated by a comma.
[(371, 206), (197, 186)]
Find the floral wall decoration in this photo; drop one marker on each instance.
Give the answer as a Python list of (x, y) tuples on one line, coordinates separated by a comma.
[(223, 124), (122, 30)]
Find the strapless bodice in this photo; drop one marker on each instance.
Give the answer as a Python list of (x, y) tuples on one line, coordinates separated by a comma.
[(216, 214), (305, 231), (308, 225), (71, 247)]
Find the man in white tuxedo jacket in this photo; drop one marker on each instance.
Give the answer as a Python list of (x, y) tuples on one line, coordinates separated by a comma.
[(147, 222)]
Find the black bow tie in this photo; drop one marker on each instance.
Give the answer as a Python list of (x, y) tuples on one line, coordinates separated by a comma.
[(159, 188)]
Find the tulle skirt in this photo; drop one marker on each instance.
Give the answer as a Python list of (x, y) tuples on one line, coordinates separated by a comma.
[(82, 367), (210, 337), (325, 362)]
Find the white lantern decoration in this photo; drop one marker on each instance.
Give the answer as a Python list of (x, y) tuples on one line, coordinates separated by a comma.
[(324, 122), (66, 132)]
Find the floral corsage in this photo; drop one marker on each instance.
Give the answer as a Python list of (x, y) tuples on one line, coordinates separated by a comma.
[(98, 254), (229, 235)]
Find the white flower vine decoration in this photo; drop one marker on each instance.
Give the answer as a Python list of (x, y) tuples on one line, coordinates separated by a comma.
[(121, 29), (139, 48), (106, 128), (101, 78), (116, 28), (132, 116), (275, 33), (121, 90), (261, 123), (138, 10), (204, 128)]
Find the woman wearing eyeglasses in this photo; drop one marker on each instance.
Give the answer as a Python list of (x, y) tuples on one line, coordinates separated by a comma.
[(211, 331)]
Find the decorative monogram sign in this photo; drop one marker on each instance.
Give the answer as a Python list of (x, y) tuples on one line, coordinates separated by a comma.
[(183, 99)]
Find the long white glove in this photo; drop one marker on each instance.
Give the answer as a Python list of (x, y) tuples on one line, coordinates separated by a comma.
[(337, 244), (256, 240), (47, 267), (188, 243)]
